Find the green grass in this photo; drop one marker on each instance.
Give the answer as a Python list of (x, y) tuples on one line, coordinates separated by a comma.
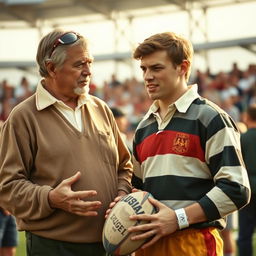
[(21, 250)]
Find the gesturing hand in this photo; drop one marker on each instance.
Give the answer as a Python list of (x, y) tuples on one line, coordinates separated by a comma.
[(63, 197)]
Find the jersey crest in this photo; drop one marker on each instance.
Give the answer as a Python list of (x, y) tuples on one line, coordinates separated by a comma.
[(181, 143)]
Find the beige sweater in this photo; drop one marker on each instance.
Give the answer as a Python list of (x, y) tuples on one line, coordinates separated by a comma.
[(38, 149)]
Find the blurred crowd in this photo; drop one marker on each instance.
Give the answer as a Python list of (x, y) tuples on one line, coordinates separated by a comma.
[(233, 91), (11, 95)]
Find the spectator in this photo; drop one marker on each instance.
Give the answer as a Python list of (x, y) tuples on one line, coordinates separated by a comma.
[(229, 245), (123, 124), (8, 100), (23, 91), (8, 234), (246, 216), (114, 82)]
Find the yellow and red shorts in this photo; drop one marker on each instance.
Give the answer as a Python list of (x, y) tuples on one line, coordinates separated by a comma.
[(188, 242)]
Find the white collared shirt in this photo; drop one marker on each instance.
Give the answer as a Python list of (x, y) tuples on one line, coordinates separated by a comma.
[(45, 99), (181, 104)]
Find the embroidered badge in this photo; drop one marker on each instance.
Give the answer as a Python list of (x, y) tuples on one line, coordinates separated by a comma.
[(181, 143)]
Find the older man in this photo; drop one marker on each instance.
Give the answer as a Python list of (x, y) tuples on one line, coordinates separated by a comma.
[(62, 157)]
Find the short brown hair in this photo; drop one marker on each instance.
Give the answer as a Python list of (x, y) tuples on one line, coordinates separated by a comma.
[(177, 47)]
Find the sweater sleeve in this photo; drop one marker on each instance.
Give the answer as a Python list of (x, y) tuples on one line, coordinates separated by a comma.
[(19, 195), (125, 168), (223, 155)]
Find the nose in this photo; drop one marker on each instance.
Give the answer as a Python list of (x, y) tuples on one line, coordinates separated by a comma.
[(86, 71), (148, 76)]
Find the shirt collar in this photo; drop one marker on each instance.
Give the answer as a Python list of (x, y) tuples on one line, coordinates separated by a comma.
[(44, 99), (182, 104)]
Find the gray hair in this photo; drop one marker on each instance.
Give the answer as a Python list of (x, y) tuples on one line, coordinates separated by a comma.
[(58, 56)]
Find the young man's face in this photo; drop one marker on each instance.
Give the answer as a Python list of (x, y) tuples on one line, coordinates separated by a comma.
[(162, 80), (73, 78)]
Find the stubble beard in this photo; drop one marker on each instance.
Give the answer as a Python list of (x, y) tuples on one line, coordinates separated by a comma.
[(81, 90)]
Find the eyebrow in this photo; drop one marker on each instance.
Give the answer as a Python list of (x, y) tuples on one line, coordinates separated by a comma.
[(152, 66), (88, 60)]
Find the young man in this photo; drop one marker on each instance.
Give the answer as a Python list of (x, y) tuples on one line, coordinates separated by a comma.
[(188, 156), (246, 217), (62, 159)]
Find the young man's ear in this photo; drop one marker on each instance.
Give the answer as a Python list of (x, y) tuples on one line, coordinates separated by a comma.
[(51, 68), (183, 67)]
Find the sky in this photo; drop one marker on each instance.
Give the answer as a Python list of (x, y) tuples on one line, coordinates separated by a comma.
[(223, 23)]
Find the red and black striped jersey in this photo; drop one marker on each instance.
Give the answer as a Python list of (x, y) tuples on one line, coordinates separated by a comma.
[(193, 156)]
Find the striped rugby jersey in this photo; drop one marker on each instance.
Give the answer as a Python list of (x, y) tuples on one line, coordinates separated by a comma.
[(193, 156)]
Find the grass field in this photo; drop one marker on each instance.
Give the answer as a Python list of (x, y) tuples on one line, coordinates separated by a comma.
[(21, 250)]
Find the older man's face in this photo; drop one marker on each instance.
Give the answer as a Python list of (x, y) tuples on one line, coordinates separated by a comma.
[(73, 78)]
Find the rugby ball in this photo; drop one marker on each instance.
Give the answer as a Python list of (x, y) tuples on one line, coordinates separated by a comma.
[(115, 236)]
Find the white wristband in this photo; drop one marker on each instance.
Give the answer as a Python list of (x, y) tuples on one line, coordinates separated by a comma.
[(182, 218)]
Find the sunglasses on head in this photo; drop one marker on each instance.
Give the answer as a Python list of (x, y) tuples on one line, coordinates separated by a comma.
[(64, 39)]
